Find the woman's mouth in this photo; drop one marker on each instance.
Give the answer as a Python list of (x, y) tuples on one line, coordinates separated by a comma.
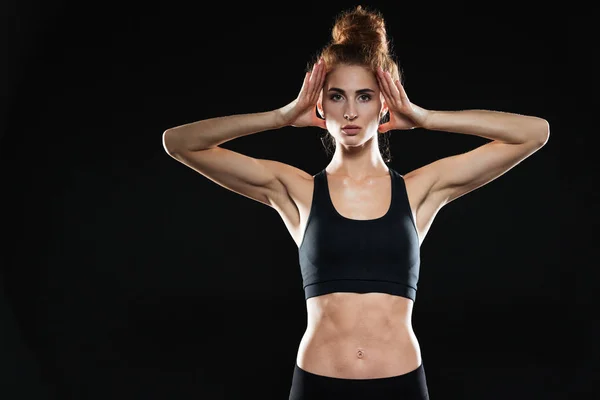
[(351, 130)]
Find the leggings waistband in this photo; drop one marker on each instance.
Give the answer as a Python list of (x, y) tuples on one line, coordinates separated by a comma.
[(309, 386)]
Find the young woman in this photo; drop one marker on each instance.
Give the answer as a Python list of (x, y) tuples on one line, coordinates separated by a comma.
[(358, 223)]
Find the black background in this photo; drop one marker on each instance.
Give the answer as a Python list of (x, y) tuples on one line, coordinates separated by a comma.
[(127, 275)]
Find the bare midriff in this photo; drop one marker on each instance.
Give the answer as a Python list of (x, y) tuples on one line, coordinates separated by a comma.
[(359, 336)]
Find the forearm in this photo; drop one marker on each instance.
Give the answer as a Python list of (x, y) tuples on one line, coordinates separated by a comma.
[(209, 133), (494, 125)]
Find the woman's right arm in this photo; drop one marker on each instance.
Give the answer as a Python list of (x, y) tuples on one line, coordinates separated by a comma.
[(197, 145)]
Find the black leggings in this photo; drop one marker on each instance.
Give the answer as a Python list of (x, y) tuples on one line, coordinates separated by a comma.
[(309, 386)]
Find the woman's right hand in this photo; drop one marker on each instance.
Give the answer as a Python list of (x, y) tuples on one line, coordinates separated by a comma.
[(301, 112)]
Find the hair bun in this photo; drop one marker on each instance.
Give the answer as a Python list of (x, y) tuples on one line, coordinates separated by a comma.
[(360, 27)]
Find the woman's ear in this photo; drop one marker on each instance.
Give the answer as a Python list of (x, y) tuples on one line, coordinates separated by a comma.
[(320, 105), (384, 110)]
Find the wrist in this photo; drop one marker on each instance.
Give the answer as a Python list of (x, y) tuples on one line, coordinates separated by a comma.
[(279, 117), (426, 120)]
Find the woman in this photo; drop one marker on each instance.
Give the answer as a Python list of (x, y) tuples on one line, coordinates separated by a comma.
[(358, 224)]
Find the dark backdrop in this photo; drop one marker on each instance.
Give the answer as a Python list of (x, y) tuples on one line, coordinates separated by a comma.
[(127, 275)]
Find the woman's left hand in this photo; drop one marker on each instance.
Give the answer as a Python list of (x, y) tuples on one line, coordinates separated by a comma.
[(403, 114)]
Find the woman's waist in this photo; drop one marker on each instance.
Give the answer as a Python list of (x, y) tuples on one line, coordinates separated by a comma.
[(359, 354)]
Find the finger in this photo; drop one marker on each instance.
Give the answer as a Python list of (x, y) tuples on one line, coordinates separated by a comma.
[(314, 69), (386, 100), (403, 95), (381, 77), (394, 92), (323, 73), (317, 85), (313, 72), (314, 77), (384, 88), (385, 85)]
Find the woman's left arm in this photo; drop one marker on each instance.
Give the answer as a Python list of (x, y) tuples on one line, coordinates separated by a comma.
[(514, 138)]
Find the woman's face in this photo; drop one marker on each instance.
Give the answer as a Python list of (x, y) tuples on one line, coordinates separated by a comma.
[(351, 96)]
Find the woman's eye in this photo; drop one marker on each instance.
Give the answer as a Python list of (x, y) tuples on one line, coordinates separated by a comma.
[(364, 97)]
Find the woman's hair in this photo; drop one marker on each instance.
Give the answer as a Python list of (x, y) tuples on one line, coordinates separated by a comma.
[(359, 38)]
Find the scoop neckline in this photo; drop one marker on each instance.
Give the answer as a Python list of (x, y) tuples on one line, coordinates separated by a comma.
[(388, 212)]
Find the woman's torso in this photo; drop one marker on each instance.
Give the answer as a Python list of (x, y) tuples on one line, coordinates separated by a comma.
[(352, 335)]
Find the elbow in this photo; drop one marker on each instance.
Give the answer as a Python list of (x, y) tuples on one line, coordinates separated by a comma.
[(541, 132), (168, 141), (544, 134)]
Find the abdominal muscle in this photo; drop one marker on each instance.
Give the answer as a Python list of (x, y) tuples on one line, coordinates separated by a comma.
[(359, 336)]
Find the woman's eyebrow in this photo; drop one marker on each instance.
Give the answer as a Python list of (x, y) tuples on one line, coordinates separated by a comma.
[(334, 89)]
